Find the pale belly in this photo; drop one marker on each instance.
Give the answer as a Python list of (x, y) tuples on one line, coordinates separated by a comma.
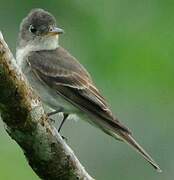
[(49, 96), (55, 101)]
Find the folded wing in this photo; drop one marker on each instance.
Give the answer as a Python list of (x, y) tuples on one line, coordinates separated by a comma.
[(60, 71)]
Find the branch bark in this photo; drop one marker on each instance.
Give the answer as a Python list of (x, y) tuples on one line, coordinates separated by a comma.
[(22, 112)]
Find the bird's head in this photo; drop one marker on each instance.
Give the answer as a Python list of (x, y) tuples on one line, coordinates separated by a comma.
[(39, 29)]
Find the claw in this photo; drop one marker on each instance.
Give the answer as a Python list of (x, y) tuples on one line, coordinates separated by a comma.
[(64, 138)]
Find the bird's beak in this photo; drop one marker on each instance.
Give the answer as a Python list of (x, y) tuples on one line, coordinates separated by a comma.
[(55, 31)]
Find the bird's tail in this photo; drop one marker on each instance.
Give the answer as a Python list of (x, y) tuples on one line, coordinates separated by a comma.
[(126, 137)]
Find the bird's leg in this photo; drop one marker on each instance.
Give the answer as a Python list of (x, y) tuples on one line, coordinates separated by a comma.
[(55, 112), (65, 115)]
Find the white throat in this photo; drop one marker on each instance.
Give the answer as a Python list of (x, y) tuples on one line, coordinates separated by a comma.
[(48, 43)]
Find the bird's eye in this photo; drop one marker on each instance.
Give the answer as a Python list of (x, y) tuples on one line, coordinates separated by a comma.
[(32, 29), (50, 28)]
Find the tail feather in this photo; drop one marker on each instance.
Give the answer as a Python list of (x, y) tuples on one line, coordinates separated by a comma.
[(126, 137)]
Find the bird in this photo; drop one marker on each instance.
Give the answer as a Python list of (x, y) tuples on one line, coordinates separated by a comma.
[(62, 82)]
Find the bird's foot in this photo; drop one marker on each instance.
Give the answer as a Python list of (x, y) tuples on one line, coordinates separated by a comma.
[(64, 138), (55, 112), (52, 120)]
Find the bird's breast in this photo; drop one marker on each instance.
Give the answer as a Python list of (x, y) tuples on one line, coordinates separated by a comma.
[(47, 94)]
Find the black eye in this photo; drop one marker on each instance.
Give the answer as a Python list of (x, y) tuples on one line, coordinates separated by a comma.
[(50, 28), (32, 29)]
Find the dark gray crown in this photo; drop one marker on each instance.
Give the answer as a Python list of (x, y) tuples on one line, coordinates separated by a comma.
[(38, 19)]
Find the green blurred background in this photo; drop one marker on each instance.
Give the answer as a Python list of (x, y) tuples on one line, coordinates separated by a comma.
[(128, 47)]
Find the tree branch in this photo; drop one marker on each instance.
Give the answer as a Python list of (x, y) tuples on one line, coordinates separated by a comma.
[(21, 110)]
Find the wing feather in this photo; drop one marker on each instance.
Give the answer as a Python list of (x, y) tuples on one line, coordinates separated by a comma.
[(62, 72)]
